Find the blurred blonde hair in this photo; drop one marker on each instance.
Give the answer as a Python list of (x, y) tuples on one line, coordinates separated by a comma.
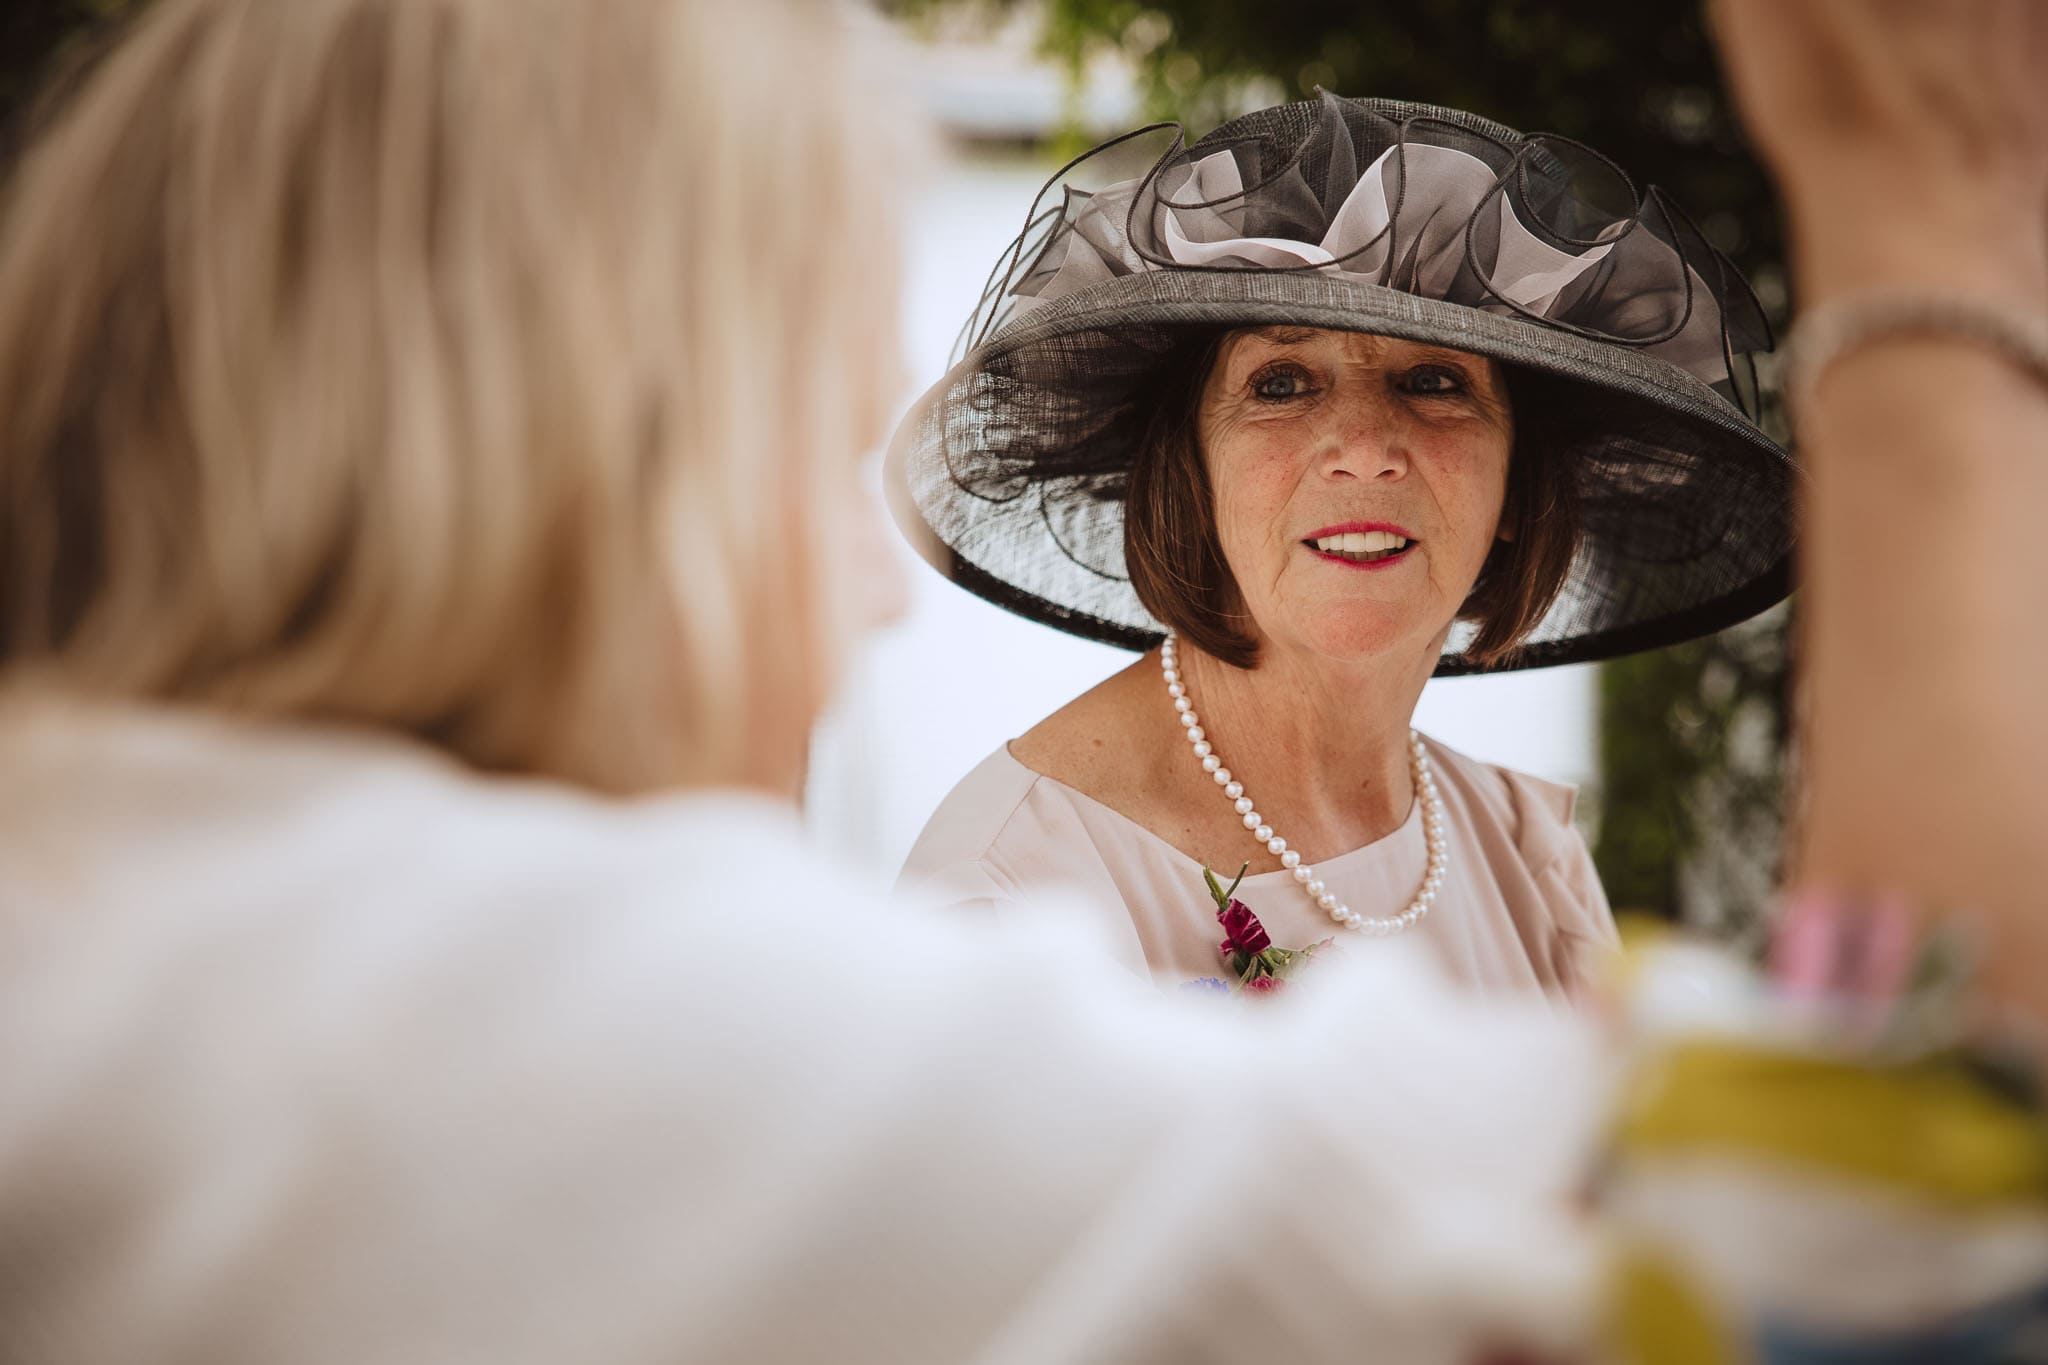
[(490, 370)]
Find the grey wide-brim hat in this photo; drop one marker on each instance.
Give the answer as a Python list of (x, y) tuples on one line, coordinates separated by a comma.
[(1401, 220)]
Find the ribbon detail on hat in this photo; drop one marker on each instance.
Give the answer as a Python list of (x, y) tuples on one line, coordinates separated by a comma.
[(1534, 226)]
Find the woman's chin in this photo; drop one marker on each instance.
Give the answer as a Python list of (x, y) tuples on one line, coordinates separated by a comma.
[(1353, 635)]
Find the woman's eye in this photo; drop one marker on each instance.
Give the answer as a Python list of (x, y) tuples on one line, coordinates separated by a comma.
[(1434, 380), (1279, 385)]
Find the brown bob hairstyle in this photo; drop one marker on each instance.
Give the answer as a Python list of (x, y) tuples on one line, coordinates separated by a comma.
[(1176, 563)]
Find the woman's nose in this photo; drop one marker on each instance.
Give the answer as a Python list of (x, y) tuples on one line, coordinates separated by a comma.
[(1364, 441)]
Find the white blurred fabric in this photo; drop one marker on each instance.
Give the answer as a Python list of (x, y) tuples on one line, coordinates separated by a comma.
[(320, 1048)]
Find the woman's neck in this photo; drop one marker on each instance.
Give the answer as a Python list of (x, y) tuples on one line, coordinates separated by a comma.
[(1321, 746)]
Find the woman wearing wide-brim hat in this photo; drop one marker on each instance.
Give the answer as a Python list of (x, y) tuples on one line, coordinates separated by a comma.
[(1345, 396)]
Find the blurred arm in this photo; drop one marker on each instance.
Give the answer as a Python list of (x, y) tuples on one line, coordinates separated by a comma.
[(1911, 146)]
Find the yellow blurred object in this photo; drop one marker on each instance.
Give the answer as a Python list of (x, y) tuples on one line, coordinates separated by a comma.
[(1927, 1127), (1658, 1319)]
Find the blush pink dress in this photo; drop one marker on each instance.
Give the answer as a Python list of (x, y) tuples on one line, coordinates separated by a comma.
[(1521, 907)]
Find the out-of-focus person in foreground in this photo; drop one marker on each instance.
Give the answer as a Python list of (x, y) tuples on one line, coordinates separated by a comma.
[(427, 435)]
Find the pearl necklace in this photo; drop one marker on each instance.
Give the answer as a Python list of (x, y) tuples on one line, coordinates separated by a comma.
[(1305, 875)]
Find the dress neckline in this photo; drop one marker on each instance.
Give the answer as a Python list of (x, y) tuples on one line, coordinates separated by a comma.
[(1373, 855)]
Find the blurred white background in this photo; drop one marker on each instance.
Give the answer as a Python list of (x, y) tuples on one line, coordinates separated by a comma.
[(956, 677)]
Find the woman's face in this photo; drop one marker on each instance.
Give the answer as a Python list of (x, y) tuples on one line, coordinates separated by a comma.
[(1358, 481)]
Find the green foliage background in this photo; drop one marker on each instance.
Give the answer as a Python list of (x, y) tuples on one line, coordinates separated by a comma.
[(1693, 739)]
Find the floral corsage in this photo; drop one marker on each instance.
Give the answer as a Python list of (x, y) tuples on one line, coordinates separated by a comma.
[(1253, 964)]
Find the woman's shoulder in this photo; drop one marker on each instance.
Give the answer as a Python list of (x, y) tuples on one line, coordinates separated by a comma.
[(1088, 749), (1008, 838), (1534, 811), (1001, 830), (244, 865), (1524, 825), (1032, 811), (1091, 743), (273, 810), (973, 818)]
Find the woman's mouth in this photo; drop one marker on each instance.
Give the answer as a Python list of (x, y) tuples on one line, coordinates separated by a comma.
[(1361, 548)]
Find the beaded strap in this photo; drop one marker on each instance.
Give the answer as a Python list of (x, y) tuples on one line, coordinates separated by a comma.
[(1844, 325)]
